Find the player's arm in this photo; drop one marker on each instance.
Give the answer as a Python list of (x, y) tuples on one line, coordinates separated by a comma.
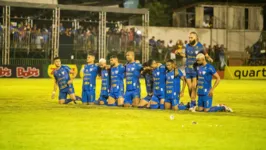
[(217, 81), (55, 88), (208, 57), (72, 78)]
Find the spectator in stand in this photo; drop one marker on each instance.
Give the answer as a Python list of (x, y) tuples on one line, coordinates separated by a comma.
[(152, 44), (205, 47), (171, 50), (222, 57), (216, 53), (160, 49)]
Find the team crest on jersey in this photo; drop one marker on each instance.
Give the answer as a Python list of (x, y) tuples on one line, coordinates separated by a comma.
[(116, 72), (90, 69), (203, 72), (196, 52), (106, 74), (158, 73), (63, 73), (172, 77), (132, 69)]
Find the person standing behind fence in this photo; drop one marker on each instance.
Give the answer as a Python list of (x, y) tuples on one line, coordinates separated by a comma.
[(152, 44), (170, 47), (222, 57)]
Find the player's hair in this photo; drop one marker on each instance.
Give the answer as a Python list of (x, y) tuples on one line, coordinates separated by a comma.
[(150, 62), (102, 60), (56, 58), (131, 51), (195, 33), (170, 61), (200, 55), (113, 56)]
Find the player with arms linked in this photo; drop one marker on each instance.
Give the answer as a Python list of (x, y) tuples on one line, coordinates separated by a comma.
[(192, 49), (116, 95), (64, 82), (158, 74), (173, 81), (147, 73), (133, 71), (105, 75), (90, 71), (205, 89)]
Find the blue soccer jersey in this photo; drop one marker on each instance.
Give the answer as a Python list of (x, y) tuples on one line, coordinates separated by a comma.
[(105, 82), (205, 74), (89, 79), (62, 77), (173, 84), (159, 78), (117, 81), (132, 76), (191, 53), (89, 82)]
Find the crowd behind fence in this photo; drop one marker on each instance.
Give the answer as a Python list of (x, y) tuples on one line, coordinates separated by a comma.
[(35, 43)]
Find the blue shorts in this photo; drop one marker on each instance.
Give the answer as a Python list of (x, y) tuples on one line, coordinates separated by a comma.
[(130, 95), (191, 75), (147, 98), (173, 102), (63, 93), (205, 101), (103, 98), (116, 95), (157, 97), (88, 96)]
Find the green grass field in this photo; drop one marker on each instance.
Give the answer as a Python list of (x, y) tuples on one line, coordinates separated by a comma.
[(30, 120)]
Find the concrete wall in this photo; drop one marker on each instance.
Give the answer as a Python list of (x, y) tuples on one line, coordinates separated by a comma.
[(237, 39), (34, 1)]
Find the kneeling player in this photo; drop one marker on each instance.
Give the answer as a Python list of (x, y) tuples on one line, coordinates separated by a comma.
[(173, 94), (89, 80), (158, 75), (64, 82), (133, 70), (205, 89), (147, 73), (117, 83), (105, 75)]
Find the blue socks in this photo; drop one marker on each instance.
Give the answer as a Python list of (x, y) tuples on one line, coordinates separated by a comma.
[(216, 109), (161, 106), (154, 106), (193, 103), (181, 107), (112, 104)]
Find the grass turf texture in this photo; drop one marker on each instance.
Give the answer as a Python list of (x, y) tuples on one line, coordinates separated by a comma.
[(29, 119)]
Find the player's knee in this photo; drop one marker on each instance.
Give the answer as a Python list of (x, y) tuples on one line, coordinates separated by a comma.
[(127, 105), (175, 108)]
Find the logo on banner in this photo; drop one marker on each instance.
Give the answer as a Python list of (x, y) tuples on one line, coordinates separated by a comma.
[(26, 73), (5, 72)]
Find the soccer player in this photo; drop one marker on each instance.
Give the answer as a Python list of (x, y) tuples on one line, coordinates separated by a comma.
[(133, 70), (158, 74), (147, 73), (89, 80), (105, 74), (117, 83), (205, 88), (173, 93), (64, 82), (192, 49)]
